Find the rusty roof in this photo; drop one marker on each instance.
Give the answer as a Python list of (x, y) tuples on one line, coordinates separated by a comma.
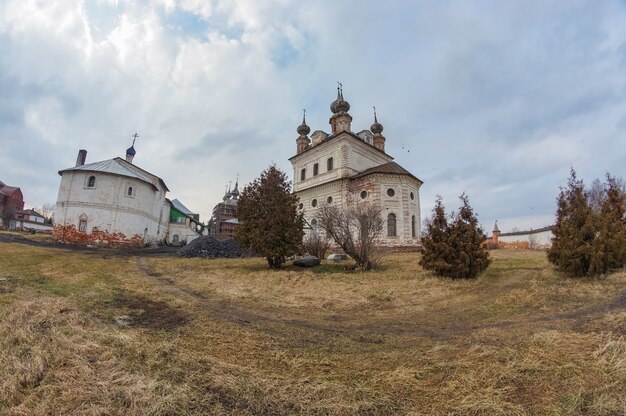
[(118, 166), (387, 168)]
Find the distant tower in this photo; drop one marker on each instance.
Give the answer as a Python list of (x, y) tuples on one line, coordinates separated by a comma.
[(235, 193), (340, 120), (303, 130), (377, 129), (130, 152), (496, 233)]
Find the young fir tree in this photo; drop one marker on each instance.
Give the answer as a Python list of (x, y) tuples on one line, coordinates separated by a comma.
[(467, 238), (437, 252), (609, 245), (455, 249), (574, 231), (269, 222)]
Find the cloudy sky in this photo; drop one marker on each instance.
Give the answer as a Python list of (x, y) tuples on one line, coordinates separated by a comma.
[(497, 99)]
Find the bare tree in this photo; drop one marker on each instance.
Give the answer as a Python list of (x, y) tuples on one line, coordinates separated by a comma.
[(316, 244), (597, 191), (8, 216), (47, 210), (356, 230)]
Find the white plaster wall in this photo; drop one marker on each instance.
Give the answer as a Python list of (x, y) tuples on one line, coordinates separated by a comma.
[(362, 156), (543, 238), (350, 156), (108, 207), (400, 204), (182, 230), (33, 226)]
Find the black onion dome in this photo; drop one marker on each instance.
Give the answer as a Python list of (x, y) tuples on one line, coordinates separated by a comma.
[(131, 151), (376, 128), (339, 104), (303, 129)]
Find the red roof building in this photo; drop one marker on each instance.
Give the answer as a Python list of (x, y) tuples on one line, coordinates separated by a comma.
[(11, 201)]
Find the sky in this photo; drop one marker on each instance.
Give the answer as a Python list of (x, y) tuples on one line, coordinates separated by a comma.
[(495, 99)]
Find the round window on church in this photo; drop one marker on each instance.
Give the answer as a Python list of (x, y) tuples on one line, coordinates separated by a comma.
[(314, 203), (412, 196), (301, 205), (390, 192), (329, 200), (363, 194)]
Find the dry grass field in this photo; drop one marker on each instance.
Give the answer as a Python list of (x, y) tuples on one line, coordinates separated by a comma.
[(97, 332)]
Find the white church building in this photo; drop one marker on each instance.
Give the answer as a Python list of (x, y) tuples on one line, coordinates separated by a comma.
[(345, 168), (111, 203)]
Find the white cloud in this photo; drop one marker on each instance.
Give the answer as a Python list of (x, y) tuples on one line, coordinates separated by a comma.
[(491, 98)]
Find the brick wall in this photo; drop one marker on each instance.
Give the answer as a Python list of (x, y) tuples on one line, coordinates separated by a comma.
[(70, 234)]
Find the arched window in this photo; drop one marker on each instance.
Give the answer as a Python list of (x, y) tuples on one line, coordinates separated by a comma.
[(313, 227), (316, 169), (303, 174), (175, 239), (91, 182), (329, 164), (130, 191), (413, 226), (391, 225)]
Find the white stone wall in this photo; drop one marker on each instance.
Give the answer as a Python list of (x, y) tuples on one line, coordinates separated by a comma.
[(347, 192), (26, 225), (539, 239), (350, 156), (109, 207), (184, 233)]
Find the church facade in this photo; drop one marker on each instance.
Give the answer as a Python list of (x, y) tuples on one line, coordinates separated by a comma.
[(116, 203), (344, 168)]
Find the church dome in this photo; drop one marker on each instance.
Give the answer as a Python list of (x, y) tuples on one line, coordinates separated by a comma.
[(303, 129), (376, 128), (131, 151), (339, 105)]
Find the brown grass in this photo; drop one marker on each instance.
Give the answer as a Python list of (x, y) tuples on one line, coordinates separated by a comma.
[(97, 333)]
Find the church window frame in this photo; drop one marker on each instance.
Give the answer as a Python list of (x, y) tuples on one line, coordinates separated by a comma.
[(302, 174), (329, 200), (175, 239), (363, 194), (391, 225), (82, 223), (314, 203), (412, 196), (90, 183), (329, 164), (316, 169), (391, 193), (130, 191)]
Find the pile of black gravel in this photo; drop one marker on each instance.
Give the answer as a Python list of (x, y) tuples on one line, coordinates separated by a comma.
[(210, 248)]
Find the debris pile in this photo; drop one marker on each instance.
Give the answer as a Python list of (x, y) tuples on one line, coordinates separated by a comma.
[(210, 248)]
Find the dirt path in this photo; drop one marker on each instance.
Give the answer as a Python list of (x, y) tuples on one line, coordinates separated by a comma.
[(283, 322)]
